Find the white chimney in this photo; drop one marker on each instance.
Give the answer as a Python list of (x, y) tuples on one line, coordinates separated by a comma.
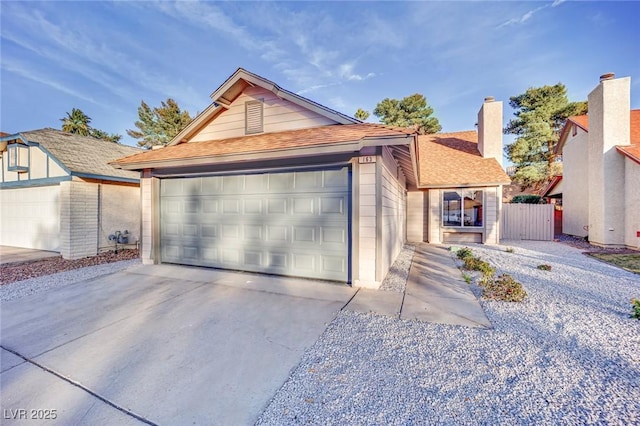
[(490, 129), (609, 125)]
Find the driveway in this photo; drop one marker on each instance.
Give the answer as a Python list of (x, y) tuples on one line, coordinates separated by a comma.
[(18, 254), (159, 344)]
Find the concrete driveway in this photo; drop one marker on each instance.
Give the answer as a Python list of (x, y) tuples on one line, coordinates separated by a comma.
[(10, 254), (158, 344)]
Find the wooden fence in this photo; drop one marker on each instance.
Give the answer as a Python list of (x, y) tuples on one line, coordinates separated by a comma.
[(527, 222)]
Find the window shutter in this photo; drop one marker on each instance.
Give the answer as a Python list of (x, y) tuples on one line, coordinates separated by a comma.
[(253, 117)]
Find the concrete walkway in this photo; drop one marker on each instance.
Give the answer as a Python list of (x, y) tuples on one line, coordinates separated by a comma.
[(19, 254), (435, 292)]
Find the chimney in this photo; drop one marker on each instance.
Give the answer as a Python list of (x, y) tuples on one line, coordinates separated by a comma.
[(609, 125), (490, 129)]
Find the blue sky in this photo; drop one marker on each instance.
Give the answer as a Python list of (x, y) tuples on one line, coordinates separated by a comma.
[(105, 57)]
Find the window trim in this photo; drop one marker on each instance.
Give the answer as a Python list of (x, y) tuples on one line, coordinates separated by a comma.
[(15, 152), (460, 192)]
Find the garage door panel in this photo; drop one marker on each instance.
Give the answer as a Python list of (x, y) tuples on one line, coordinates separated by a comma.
[(293, 223)]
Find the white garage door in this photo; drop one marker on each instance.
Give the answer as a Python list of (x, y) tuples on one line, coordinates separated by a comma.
[(30, 217), (289, 223)]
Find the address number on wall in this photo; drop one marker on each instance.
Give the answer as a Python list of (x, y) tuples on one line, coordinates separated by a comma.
[(367, 159)]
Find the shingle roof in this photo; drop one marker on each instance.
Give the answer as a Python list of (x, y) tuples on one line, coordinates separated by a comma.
[(580, 120), (316, 136), (453, 159), (82, 154)]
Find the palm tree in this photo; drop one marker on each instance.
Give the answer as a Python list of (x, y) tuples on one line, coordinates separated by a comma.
[(76, 122)]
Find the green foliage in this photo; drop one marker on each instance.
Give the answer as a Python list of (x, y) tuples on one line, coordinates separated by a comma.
[(79, 123), (361, 114), (527, 199), (635, 305), (544, 267), (504, 288), (540, 115), (463, 253), (475, 264), (467, 278), (157, 126), (411, 111), (510, 250)]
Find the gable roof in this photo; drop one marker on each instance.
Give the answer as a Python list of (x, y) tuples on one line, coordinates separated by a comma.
[(233, 87), (83, 156), (582, 121), (548, 191), (453, 160), (335, 138)]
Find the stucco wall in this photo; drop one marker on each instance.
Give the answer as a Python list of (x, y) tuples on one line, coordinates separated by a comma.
[(416, 216), (632, 203), (119, 210), (30, 217), (575, 195)]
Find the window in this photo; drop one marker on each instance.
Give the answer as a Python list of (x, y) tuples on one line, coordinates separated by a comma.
[(463, 208), (18, 158), (253, 113)]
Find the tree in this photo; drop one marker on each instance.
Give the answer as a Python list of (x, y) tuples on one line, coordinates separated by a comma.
[(361, 114), (159, 125), (540, 115), (411, 111), (78, 122)]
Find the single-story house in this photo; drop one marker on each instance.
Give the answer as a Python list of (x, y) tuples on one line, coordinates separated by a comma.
[(58, 193), (265, 180), (601, 168)]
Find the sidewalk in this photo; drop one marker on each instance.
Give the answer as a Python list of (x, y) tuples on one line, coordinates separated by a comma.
[(435, 292)]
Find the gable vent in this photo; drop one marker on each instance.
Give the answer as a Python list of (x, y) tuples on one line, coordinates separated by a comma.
[(253, 117)]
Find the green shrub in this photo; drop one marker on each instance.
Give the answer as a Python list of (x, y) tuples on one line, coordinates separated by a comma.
[(464, 253), (635, 305), (504, 288), (527, 199), (476, 264), (467, 278), (544, 267)]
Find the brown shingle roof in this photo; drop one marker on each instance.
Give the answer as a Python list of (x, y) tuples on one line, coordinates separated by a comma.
[(453, 159), (317, 136), (82, 154)]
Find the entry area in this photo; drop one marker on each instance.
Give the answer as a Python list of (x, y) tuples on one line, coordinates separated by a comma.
[(294, 223)]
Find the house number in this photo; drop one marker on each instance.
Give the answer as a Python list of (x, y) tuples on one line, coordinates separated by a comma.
[(367, 159)]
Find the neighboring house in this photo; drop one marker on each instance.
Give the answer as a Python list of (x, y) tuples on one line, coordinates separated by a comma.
[(552, 193), (58, 193), (601, 168), (264, 180)]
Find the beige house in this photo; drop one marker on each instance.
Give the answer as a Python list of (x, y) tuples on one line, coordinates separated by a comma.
[(265, 180), (601, 168), (58, 193)]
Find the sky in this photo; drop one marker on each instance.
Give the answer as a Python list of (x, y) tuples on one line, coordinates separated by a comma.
[(105, 57)]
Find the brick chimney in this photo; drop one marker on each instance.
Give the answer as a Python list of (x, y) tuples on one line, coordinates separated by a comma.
[(609, 125), (490, 129)]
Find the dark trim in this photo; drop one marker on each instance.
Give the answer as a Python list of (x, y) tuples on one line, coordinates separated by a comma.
[(103, 177), (34, 182), (51, 156)]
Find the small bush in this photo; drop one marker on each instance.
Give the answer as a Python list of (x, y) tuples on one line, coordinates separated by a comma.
[(475, 264), (527, 199), (504, 288), (544, 267), (467, 278), (464, 253), (635, 305), (509, 250)]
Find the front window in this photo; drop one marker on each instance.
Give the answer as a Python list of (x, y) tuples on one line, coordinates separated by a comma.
[(18, 158), (462, 208)]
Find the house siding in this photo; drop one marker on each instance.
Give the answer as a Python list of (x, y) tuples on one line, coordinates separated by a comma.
[(78, 219), (147, 208), (416, 216), (632, 203), (393, 199), (366, 276), (279, 115)]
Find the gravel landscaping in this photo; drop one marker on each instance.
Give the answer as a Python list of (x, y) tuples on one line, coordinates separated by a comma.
[(396, 279), (569, 354), (17, 289)]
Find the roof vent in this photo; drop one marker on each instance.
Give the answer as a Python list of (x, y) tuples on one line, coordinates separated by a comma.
[(489, 99), (253, 117), (607, 76)]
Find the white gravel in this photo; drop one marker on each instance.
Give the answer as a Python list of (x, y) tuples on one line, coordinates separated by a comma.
[(569, 354), (23, 288), (396, 279)]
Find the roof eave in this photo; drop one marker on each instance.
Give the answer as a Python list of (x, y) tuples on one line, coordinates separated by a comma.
[(620, 149), (462, 185)]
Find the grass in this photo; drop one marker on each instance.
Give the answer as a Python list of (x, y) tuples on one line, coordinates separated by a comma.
[(630, 262)]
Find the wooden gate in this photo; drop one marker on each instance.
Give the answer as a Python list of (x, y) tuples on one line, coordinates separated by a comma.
[(527, 222)]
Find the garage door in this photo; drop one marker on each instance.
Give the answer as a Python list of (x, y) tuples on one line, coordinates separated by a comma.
[(30, 217), (289, 223)]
